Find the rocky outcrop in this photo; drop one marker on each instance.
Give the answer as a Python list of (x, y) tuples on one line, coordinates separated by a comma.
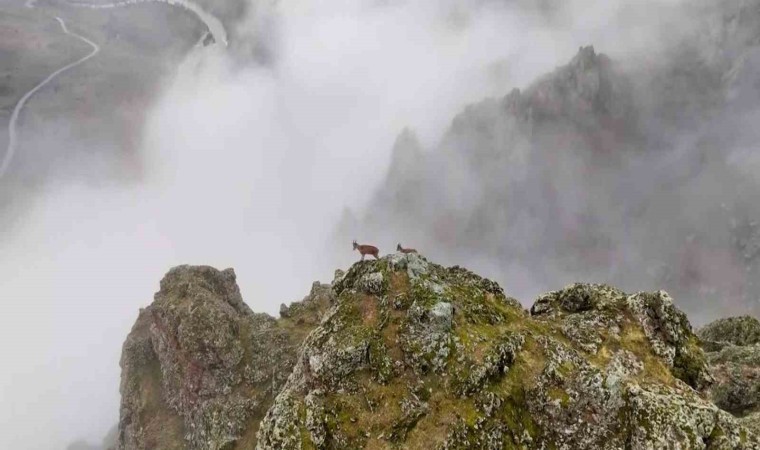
[(741, 331), (733, 346), (587, 312), (403, 353), (736, 370), (415, 355), (200, 369)]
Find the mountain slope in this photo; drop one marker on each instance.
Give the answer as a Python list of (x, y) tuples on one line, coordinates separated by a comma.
[(637, 171)]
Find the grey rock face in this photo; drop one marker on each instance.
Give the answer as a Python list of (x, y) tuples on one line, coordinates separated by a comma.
[(588, 311), (737, 371), (744, 330), (733, 346), (199, 368), (403, 353)]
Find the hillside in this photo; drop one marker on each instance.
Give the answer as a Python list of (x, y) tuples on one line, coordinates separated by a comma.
[(404, 353)]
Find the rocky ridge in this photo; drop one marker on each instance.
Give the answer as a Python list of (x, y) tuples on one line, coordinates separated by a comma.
[(404, 353)]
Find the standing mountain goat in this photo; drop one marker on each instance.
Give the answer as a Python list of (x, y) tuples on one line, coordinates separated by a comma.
[(405, 250), (367, 250)]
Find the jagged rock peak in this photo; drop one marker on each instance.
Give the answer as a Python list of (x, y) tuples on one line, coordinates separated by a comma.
[(200, 369), (588, 86), (587, 58), (183, 281)]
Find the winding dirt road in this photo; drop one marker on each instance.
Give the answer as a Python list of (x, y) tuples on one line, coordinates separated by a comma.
[(214, 25), (11, 149)]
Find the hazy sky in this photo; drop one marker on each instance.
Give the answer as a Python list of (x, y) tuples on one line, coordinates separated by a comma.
[(250, 166)]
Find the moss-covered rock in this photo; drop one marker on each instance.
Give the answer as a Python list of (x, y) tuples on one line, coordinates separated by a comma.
[(438, 357), (403, 353), (200, 369), (744, 330), (734, 356), (752, 422), (594, 316)]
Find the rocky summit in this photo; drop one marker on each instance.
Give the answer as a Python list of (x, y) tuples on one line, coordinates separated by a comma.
[(404, 353)]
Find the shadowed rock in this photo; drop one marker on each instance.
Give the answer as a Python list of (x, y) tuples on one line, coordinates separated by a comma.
[(733, 346)]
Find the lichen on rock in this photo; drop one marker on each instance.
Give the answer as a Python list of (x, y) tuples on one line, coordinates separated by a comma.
[(441, 358), (733, 351), (744, 330), (200, 369), (404, 353), (592, 314)]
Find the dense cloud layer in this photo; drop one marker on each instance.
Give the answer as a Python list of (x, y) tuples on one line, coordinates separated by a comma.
[(248, 158)]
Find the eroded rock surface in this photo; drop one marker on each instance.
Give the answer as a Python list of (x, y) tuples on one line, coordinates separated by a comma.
[(733, 346), (589, 314), (744, 330), (403, 353), (431, 357), (200, 369)]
